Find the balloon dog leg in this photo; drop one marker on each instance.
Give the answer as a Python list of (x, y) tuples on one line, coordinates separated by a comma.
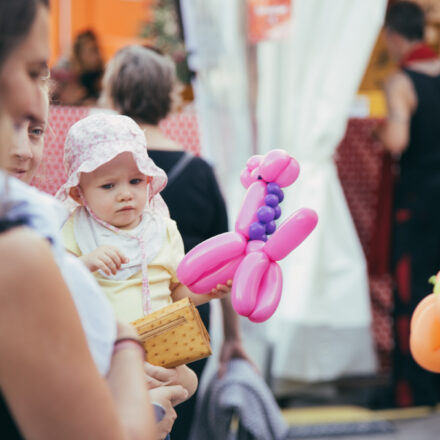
[(292, 232), (247, 282), (209, 256)]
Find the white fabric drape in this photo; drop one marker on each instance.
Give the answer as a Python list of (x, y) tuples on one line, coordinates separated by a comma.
[(217, 52), (322, 328)]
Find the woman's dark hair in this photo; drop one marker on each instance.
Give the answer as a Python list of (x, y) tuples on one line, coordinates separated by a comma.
[(407, 19), (16, 20), (140, 82), (81, 38)]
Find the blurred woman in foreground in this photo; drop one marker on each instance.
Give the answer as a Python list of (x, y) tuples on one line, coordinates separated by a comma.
[(55, 354)]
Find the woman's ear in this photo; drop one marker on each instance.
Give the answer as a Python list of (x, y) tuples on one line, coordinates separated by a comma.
[(75, 194)]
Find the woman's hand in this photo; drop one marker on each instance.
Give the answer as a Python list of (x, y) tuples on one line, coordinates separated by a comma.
[(159, 376), (181, 375), (166, 396), (232, 349), (109, 259)]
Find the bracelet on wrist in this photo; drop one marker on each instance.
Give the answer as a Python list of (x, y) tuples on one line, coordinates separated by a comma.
[(127, 342)]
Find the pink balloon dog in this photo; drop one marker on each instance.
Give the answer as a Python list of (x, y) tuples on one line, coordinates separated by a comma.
[(247, 256)]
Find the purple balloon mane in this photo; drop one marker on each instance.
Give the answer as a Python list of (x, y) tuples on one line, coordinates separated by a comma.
[(267, 214)]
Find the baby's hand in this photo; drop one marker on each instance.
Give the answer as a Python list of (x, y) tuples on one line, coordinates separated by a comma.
[(109, 259), (221, 290)]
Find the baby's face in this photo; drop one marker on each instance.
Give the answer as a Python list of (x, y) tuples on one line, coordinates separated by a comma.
[(116, 192)]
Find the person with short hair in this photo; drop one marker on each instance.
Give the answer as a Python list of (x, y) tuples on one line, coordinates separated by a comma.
[(412, 133)]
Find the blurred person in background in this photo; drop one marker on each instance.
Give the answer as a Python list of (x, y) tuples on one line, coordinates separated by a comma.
[(78, 79), (140, 82), (411, 133)]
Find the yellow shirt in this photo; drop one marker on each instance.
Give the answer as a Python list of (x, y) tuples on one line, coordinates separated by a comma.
[(126, 295)]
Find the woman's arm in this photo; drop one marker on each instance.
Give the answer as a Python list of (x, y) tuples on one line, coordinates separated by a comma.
[(47, 375), (127, 381), (401, 102), (232, 347)]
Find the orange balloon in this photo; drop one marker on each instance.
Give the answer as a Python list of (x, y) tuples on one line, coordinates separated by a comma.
[(426, 302), (425, 335), (437, 304)]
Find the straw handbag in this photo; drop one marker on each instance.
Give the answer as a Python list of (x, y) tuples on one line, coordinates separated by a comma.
[(174, 335)]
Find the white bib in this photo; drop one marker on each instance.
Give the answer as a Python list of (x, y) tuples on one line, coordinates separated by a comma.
[(90, 234)]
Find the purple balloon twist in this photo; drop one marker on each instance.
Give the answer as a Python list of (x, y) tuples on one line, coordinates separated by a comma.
[(268, 213)]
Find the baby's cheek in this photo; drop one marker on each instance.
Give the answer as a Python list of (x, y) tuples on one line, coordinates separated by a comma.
[(103, 205)]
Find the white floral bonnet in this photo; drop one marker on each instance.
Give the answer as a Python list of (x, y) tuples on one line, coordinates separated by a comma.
[(97, 139)]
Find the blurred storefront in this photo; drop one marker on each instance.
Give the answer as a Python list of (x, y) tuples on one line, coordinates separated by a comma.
[(121, 22)]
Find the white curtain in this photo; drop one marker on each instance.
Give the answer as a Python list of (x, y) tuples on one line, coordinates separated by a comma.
[(306, 85), (217, 52), (322, 328)]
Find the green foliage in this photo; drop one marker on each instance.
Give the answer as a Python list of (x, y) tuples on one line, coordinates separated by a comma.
[(164, 33)]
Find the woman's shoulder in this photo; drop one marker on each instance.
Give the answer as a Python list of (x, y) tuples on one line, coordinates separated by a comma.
[(42, 212), (200, 162), (199, 169), (20, 240), (167, 159), (27, 254)]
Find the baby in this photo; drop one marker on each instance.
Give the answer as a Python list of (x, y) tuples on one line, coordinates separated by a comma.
[(121, 228)]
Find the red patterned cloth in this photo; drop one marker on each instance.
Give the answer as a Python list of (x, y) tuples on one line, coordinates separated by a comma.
[(51, 175), (183, 128), (365, 171)]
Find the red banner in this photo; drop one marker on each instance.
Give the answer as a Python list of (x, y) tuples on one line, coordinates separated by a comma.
[(268, 19)]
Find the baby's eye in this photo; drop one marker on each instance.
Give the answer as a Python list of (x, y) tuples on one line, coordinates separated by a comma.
[(107, 186), (135, 181)]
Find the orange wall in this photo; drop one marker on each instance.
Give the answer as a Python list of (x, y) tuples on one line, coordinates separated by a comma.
[(54, 30), (116, 22)]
